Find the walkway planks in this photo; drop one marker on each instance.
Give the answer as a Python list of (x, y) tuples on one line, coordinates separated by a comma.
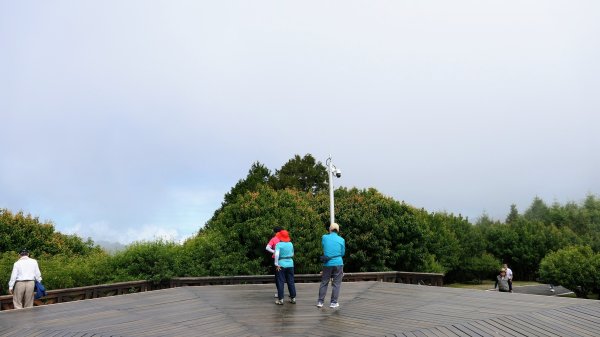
[(367, 309)]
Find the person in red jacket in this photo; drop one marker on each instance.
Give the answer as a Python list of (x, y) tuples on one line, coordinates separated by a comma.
[(271, 249)]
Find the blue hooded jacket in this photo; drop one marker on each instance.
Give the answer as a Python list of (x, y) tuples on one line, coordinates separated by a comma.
[(333, 245)]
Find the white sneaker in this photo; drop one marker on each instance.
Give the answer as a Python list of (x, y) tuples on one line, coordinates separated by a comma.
[(334, 305), (279, 302), (319, 304)]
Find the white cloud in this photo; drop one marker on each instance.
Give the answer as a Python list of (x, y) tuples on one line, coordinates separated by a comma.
[(103, 231), (151, 232)]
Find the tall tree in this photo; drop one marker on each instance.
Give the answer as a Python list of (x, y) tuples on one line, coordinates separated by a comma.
[(538, 211), (301, 173), (257, 175), (18, 231), (591, 205), (513, 215)]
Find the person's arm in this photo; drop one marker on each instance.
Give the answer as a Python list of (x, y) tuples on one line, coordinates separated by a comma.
[(343, 252), (38, 273), (269, 249), (496, 284), (13, 279), (277, 258)]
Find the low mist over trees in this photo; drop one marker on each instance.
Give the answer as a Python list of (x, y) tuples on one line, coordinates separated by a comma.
[(547, 241)]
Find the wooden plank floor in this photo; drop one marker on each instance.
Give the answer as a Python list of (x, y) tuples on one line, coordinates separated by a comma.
[(366, 309)]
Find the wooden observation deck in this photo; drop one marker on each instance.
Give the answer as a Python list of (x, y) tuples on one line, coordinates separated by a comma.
[(367, 308)]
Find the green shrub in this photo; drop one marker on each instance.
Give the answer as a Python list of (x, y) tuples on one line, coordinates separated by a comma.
[(154, 261), (575, 268)]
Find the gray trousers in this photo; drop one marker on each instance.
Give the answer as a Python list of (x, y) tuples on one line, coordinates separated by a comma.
[(23, 294), (337, 273)]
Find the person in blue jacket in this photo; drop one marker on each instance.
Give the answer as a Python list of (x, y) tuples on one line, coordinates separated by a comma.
[(334, 248)]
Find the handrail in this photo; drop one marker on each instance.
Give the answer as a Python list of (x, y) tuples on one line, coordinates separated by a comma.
[(389, 276), (83, 293), (120, 288)]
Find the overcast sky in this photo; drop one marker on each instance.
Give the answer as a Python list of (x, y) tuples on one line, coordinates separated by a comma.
[(130, 120)]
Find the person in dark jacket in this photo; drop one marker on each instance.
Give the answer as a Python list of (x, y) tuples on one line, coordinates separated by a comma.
[(502, 282)]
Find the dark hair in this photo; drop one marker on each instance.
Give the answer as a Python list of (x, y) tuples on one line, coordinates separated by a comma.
[(24, 252), (277, 229)]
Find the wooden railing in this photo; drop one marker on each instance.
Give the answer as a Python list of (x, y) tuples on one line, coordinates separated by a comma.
[(431, 279), (83, 293)]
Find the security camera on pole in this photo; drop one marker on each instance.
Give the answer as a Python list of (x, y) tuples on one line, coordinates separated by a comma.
[(332, 170)]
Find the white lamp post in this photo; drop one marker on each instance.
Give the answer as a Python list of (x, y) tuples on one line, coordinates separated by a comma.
[(331, 171)]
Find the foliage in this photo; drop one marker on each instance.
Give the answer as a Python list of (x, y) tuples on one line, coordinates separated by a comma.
[(478, 268), (444, 232), (154, 261), (6, 264), (257, 175), (513, 215), (18, 231), (474, 262), (62, 271), (538, 211), (523, 243), (575, 267), (303, 174), (234, 241), (381, 233)]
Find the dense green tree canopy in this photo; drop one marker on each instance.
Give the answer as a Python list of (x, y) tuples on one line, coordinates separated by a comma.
[(257, 175), (66, 260), (237, 236), (18, 231), (574, 267), (301, 173), (538, 211), (381, 233)]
